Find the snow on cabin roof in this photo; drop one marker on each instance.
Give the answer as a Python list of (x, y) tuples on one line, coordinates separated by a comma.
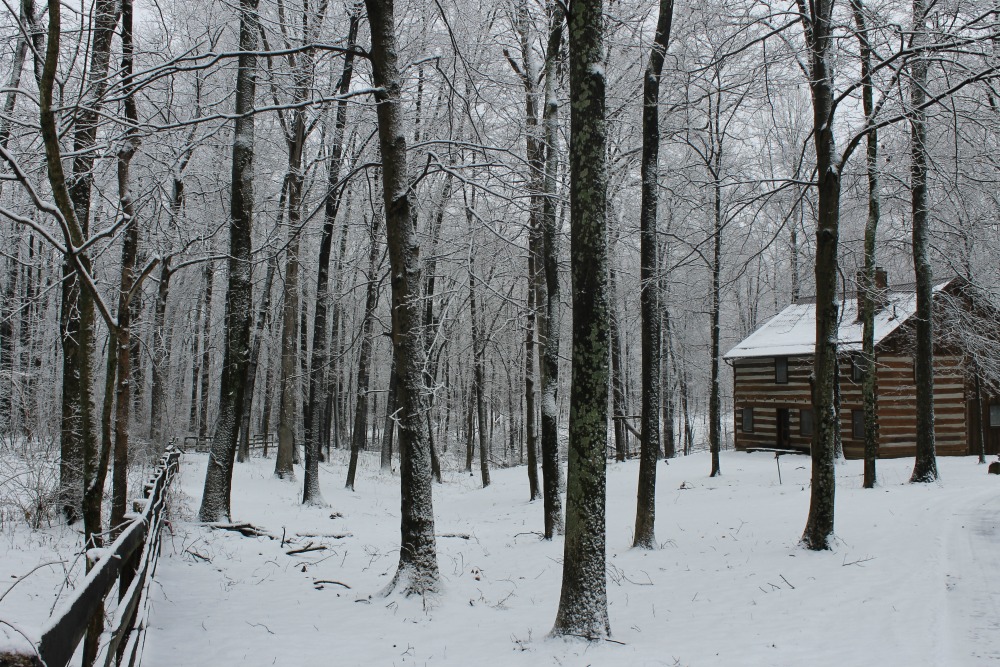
[(792, 332)]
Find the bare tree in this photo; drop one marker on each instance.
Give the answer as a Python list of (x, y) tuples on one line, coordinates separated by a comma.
[(583, 604)]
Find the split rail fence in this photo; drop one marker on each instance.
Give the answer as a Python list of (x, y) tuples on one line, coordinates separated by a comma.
[(131, 561)]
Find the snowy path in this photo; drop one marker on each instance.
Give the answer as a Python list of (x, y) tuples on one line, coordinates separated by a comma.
[(973, 582)]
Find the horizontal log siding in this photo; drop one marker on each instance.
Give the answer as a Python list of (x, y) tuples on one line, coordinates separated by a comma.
[(754, 386), (897, 407)]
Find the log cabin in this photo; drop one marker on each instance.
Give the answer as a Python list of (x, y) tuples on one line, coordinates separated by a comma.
[(773, 365)]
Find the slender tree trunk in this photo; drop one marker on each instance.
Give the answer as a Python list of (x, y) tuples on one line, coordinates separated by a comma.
[(583, 604), (206, 346), (389, 432), (215, 504), (478, 362), (283, 466), (319, 373), (867, 287), (263, 319), (418, 570), (360, 434), (619, 407), (715, 398), (78, 445), (550, 325), (645, 513), (161, 358), (925, 465), (818, 28), (130, 247)]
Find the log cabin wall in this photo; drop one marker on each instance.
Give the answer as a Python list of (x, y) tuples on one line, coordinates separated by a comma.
[(897, 418), (755, 387)]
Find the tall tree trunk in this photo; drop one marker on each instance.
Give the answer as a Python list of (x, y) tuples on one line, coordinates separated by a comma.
[(215, 503), (549, 325), (127, 288), (583, 604), (715, 397), (818, 28), (534, 152), (867, 287), (319, 372), (925, 465), (359, 438), (78, 446), (418, 570), (645, 512)]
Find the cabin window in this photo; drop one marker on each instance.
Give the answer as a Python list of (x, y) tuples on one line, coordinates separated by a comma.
[(857, 368), (858, 424), (748, 420), (806, 422), (994, 415), (781, 370)]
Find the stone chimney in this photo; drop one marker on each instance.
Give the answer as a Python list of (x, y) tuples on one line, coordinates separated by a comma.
[(880, 296)]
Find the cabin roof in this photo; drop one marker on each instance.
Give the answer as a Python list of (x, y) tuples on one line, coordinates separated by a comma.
[(792, 332)]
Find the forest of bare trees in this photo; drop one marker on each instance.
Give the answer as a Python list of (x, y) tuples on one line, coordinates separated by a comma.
[(465, 237)]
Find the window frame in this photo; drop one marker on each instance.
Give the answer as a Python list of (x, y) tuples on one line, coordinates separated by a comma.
[(747, 424), (803, 420), (993, 411), (857, 424), (857, 369), (781, 370)]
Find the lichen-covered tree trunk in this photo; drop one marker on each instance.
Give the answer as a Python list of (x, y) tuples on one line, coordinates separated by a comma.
[(418, 570), (925, 465), (549, 323), (215, 502), (818, 29), (649, 301), (583, 604)]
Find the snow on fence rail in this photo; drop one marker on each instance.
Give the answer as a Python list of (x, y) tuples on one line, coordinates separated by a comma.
[(131, 560)]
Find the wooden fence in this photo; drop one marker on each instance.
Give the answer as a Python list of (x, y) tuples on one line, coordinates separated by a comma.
[(131, 561), (262, 443)]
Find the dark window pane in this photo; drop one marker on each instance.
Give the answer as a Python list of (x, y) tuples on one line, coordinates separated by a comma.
[(858, 424), (748, 420), (994, 415), (857, 368), (781, 370), (806, 422)]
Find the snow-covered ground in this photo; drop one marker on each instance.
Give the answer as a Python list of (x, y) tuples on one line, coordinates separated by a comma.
[(913, 581)]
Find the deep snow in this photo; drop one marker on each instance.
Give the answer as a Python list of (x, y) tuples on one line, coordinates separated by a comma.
[(913, 580)]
